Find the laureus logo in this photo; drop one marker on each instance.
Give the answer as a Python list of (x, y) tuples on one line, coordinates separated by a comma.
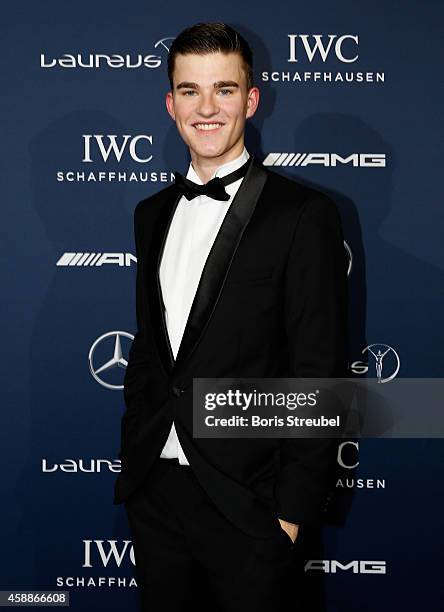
[(386, 359), (129, 61), (386, 362)]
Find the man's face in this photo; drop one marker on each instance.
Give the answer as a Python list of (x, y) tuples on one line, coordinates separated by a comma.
[(210, 103)]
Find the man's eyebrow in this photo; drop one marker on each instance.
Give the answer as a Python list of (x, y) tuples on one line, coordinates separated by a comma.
[(226, 84), (189, 85)]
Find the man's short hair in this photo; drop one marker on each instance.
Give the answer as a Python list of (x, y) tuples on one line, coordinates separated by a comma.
[(204, 38)]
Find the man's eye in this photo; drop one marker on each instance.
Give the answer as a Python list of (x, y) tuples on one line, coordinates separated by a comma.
[(189, 91), (226, 91)]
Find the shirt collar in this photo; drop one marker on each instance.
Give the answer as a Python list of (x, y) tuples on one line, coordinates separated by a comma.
[(223, 170)]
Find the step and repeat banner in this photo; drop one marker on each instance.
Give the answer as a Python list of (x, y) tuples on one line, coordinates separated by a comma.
[(349, 104)]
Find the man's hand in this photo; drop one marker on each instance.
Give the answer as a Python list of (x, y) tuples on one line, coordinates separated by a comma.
[(290, 528)]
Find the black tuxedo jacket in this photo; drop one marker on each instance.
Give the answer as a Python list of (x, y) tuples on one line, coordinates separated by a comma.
[(271, 302)]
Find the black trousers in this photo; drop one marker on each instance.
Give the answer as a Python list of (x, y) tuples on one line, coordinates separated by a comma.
[(189, 556)]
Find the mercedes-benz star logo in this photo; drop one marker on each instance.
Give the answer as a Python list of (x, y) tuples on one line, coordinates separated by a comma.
[(116, 361)]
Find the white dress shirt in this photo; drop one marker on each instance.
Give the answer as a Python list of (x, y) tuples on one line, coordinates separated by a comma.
[(191, 235)]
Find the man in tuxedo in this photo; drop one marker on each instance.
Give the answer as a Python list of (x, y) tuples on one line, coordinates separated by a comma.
[(240, 273)]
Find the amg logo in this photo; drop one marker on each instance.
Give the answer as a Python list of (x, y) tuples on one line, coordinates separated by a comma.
[(331, 566), (359, 160), (96, 259)]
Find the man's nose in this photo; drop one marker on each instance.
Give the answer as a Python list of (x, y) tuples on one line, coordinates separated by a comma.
[(207, 106)]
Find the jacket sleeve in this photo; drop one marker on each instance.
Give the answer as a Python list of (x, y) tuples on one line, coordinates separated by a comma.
[(136, 374), (315, 318)]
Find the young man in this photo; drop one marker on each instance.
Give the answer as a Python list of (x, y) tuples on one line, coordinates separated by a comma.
[(240, 273)]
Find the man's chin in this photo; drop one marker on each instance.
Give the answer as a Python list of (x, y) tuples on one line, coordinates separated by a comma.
[(209, 151)]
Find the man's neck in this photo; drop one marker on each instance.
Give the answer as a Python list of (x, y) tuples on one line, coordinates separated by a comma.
[(205, 167)]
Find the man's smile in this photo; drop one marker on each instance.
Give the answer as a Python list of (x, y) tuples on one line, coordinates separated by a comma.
[(207, 127)]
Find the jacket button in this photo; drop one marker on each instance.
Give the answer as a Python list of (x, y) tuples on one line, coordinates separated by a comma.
[(176, 391)]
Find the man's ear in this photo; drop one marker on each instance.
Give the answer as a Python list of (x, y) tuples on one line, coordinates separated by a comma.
[(252, 101), (170, 105)]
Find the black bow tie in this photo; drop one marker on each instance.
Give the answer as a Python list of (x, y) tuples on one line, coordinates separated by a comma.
[(214, 189)]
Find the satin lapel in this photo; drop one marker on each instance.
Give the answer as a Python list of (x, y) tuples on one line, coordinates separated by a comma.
[(219, 259), (154, 256)]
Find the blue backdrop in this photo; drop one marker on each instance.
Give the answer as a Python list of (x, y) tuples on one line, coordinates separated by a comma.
[(351, 91)]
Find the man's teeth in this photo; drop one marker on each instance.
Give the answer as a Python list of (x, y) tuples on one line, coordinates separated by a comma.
[(207, 126)]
